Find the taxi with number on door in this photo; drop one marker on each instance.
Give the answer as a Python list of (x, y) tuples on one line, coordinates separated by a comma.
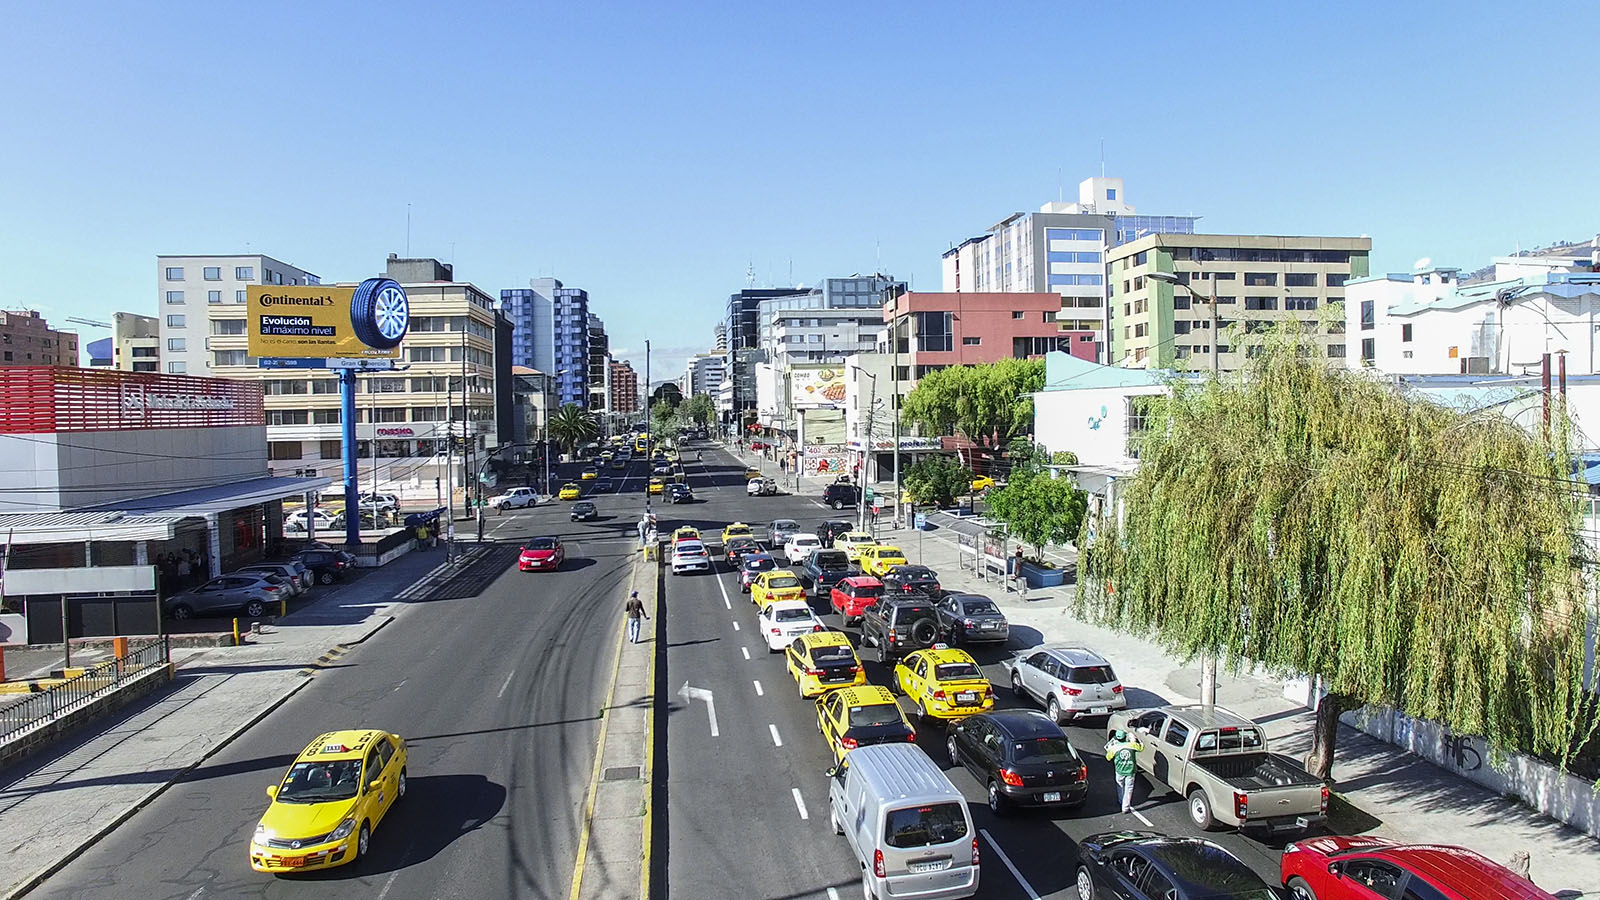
[(823, 661), (880, 558), (570, 491), (334, 796), (944, 683), (857, 716), (779, 584)]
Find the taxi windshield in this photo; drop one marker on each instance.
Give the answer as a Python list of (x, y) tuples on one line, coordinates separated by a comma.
[(831, 655), (784, 581), (955, 671), (790, 615), (320, 782), (881, 714)]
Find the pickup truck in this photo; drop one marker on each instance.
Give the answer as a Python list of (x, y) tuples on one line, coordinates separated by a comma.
[(822, 569), (1218, 761)]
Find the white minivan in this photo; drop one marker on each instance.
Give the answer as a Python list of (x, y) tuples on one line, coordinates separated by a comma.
[(906, 823)]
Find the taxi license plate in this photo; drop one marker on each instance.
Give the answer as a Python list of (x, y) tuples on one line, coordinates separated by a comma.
[(966, 697), (1052, 797), (293, 862), (1099, 710), (925, 866)]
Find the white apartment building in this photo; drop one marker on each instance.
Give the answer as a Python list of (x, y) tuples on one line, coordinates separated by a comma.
[(199, 297), (704, 374)]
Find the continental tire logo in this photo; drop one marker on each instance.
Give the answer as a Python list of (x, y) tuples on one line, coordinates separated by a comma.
[(278, 300)]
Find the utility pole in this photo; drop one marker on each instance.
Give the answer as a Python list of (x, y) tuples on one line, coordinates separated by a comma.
[(648, 425), (449, 471), (866, 449), (894, 400)]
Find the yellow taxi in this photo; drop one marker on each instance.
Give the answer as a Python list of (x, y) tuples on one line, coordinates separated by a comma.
[(982, 483), (589, 475), (778, 584), (736, 529), (853, 542), (823, 661), (655, 485), (324, 811), (751, 472), (878, 559), (857, 716), (944, 683), (686, 533), (570, 491)]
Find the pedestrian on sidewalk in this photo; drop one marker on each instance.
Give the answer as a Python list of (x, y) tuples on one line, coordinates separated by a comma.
[(642, 527), (184, 570), (480, 524), (422, 537), (1123, 753), (1017, 579), (634, 610)]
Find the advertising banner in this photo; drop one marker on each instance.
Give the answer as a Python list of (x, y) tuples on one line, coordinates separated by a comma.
[(321, 321), (817, 387)]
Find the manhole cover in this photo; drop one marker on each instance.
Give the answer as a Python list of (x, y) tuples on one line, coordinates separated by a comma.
[(622, 773)]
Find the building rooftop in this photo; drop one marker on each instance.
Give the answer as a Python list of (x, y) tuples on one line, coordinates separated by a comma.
[(1065, 372)]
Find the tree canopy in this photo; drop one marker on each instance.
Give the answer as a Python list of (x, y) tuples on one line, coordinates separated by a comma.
[(1317, 521), (572, 425), (699, 410), (988, 404), (1037, 507), (938, 479)]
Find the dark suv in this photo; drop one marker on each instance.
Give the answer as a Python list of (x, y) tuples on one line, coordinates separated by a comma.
[(839, 496), (822, 569), (327, 565), (831, 529), (899, 626)]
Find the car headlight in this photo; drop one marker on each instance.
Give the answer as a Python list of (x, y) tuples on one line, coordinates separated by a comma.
[(263, 834), (343, 831)]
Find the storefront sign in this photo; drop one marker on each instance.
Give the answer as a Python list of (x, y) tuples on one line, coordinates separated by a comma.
[(45, 400), (401, 432), (906, 443), (136, 397), (319, 321), (816, 387)]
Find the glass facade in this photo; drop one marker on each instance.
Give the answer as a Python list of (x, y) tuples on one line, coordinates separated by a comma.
[(571, 326)]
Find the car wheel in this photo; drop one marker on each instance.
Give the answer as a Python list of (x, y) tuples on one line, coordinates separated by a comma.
[(325, 578), (833, 820), (1085, 884), (1299, 890), (1016, 685), (182, 611), (838, 504), (255, 609), (997, 800), (363, 841), (400, 787), (1200, 811), (950, 749), (924, 633), (1052, 708)]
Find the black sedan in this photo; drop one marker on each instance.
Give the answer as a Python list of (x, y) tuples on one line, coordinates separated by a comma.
[(911, 580), (738, 548), (1117, 864), (584, 511), (971, 619), (1021, 757), (679, 493)]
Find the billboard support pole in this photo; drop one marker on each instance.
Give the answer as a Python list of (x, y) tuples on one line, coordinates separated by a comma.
[(347, 419)]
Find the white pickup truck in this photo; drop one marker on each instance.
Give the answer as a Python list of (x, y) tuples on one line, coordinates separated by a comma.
[(1218, 761)]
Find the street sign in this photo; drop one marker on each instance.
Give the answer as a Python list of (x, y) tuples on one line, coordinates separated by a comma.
[(920, 520), (871, 495), (370, 365)]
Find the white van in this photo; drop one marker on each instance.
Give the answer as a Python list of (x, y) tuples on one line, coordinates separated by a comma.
[(906, 823)]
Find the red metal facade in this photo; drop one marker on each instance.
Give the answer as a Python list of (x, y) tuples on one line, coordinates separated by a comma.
[(53, 399)]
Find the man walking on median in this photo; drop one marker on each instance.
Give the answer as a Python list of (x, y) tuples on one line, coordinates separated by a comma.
[(634, 611), (1122, 752)]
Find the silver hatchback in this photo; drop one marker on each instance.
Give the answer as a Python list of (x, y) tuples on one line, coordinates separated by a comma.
[(1069, 681)]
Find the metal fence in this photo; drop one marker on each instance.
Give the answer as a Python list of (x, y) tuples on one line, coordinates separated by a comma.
[(81, 690)]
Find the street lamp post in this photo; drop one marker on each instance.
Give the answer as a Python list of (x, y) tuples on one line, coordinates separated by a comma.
[(866, 448), (1172, 279)]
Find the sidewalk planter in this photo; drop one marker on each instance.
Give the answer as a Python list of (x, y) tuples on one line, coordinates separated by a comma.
[(1043, 575)]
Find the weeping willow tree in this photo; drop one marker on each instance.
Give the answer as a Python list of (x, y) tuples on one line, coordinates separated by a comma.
[(1317, 521)]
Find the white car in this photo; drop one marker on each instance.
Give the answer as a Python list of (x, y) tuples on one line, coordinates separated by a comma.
[(516, 498), (760, 487), (798, 547), (690, 556), (296, 521), (781, 622), (382, 502)]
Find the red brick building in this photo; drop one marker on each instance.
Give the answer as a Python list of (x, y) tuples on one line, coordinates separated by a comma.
[(624, 388), (26, 339), (945, 329)]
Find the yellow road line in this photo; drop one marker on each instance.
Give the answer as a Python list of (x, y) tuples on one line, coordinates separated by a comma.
[(599, 751), (649, 757)]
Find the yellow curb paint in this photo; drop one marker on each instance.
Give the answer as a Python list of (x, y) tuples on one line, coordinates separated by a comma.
[(599, 749), (649, 769)]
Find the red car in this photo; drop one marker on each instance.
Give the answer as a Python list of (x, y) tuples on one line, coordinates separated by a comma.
[(1372, 868), (851, 596), (541, 553)]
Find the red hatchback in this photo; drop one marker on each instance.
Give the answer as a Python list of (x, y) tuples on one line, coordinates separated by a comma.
[(541, 553), (851, 596), (1371, 868)]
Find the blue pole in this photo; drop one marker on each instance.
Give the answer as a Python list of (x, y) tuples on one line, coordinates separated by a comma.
[(347, 418)]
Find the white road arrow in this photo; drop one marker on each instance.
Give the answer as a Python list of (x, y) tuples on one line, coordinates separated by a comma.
[(694, 693)]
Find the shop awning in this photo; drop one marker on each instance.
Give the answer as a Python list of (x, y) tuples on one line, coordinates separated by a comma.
[(222, 497), (78, 527)]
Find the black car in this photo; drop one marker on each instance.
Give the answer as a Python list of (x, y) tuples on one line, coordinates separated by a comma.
[(840, 496), (899, 625), (584, 511), (972, 618), (679, 493), (1021, 757), (822, 569), (601, 486), (831, 529), (738, 548), (327, 566), (1148, 864), (912, 580)]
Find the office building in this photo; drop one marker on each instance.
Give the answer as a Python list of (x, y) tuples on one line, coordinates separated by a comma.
[(26, 339), (624, 388), (598, 381), (533, 394), (720, 337), (531, 311), (571, 324), (134, 345), (1258, 281), (744, 348), (703, 374), (201, 299)]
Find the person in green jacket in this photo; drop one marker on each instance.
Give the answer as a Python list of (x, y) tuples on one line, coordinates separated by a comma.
[(1122, 752)]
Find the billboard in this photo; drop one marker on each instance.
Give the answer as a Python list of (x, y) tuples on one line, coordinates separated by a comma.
[(817, 387), (322, 322)]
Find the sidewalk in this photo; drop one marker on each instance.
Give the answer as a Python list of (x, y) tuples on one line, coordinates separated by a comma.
[(1407, 798), (59, 802)]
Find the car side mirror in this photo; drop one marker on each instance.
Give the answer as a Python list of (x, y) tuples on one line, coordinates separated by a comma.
[(272, 792), (1336, 869), (834, 771), (373, 784)]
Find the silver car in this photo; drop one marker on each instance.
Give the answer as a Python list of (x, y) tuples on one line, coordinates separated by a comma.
[(296, 576), (1069, 681), (252, 595), (779, 533)]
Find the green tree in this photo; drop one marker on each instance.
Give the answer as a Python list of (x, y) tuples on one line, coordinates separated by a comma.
[(1319, 522), (665, 418), (572, 425), (989, 404), (1038, 507), (699, 410), (938, 479)]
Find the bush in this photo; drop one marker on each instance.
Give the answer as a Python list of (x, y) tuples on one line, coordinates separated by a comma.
[(938, 480)]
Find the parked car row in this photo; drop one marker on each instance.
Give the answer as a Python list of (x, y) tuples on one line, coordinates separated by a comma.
[(256, 590)]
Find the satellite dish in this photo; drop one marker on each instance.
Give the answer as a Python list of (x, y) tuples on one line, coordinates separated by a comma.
[(1422, 263)]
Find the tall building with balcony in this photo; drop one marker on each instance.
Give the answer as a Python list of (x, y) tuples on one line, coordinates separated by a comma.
[(571, 326), (26, 339), (201, 298), (743, 327), (624, 388), (134, 344), (703, 374), (599, 365), (531, 312)]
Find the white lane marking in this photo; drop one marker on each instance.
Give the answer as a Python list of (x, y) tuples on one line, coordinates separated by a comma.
[(777, 741), (758, 689), (509, 676), (400, 685), (745, 651), (390, 883), (692, 693), (726, 604), (800, 804), (1140, 817), (200, 890), (735, 626), (833, 894), (1028, 888)]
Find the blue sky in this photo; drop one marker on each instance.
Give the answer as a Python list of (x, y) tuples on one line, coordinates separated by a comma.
[(651, 152)]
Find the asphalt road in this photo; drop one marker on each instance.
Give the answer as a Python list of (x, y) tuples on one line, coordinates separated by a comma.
[(747, 810), (497, 686)]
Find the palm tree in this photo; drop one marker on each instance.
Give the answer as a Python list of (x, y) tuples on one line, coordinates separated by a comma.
[(572, 425)]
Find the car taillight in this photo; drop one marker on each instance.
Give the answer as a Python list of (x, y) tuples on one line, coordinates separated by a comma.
[(877, 864), (1116, 689), (1083, 773), (814, 673), (1071, 691), (911, 738), (938, 695), (1241, 804), (775, 631), (272, 589), (1324, 799), (1011, 778), (974, 851), (849, 743), (817, 627), (857, 669)]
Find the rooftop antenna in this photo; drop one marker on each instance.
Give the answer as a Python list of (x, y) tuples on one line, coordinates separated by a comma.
[(750, 273)]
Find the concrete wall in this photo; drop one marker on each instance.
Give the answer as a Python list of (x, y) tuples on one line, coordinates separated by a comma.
[(41, 472), (1091, 422)]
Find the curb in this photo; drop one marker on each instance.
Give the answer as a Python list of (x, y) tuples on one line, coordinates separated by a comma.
[(38, 878)]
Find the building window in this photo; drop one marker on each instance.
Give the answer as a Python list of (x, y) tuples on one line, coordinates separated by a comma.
[(971, 341), (1367, 315), (1336, 351), (1227, 300), (174, 273), (1141, 257), (213, 273), (390, 414), (1261, 303), (1260, 279), (1300, 279), (1180, 301), (227, 326), (330, 449), (176, 322), (173, 368), (287, 417), (240, 297), (278, 387), (174, 296), (279, 450), (1140, 330), (1405, 332), (175, 344), (1223, 276), (325, 386), (933, 331), (1180, 327), (228, 358), (1300, 303), (325, 417), (428, 354), (1336, 279), (1111, 193), (213, 296), (1369, 350), (244, 273), (1049, 315)]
